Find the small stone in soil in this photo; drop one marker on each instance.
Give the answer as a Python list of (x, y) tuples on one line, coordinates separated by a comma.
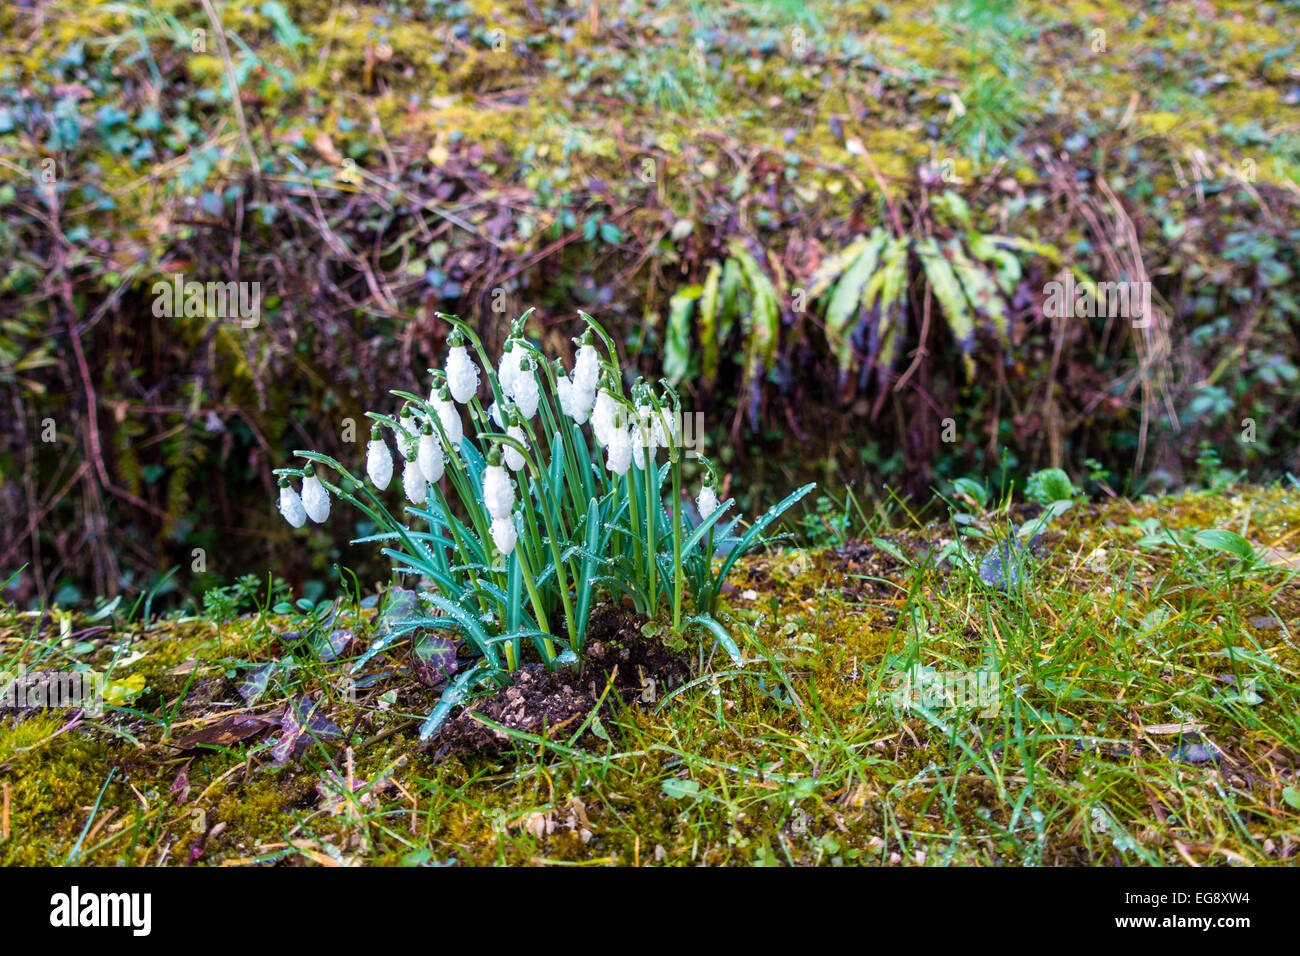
[(1194, 753)]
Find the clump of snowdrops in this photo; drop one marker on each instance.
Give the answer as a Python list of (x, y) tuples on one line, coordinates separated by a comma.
[(519, 514)]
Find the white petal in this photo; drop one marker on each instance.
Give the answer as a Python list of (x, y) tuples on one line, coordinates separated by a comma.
[(586, 368), (462, 374), (707, 502), (527, 394), (514, 460), (291, 507), (379, 463), (429, 457), (315, 499), (602, 417), (449, 416), (414, 484), (508, 372), (503, 534), (498, 491), (619, 455)]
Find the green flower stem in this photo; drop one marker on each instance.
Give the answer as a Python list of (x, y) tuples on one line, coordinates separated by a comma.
[(635, 519), (538, 609), (562, 579), (677, 545), (651, 520)]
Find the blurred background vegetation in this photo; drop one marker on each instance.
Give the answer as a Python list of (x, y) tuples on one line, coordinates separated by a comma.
[(831, 222)]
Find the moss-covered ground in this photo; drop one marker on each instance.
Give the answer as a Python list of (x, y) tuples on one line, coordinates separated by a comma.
[(1140, 705)]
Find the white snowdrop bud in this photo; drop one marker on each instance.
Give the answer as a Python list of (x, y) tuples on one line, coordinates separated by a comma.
[(573, 402), (429, 456), (379, 461), (291, 506), (643, 437), (513, 458), (449, 417), (462, 374), (527, 394), (602, 417), (508, 371), (495, 414), (413, 483), (498, 491), (586, 369), (663, 427), (315, 499), (503, 534), (619, 455), (707, 502)]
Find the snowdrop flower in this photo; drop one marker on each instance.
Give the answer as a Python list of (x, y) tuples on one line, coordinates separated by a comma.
[(513, 458), (527, 394), (707, 502), (572, 401), (291, 504), (643, 437), (462, 373), (495, 414), (503, 534), (508, 372), (449, 416), (379, 460), (602, 417), (619, 455), (498, 490), (315, 499), (413, 482), (586, 368), (429, 455), (666, 430)]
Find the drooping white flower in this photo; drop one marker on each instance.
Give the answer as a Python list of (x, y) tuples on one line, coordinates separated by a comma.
[(527, 394), (414, 483), (495, 414), (707, 502), (498, 491), (619, 455), (379, 461), (508, 372), (643, 437), (583, 400), (586, 369), (449, 416), (602, 417), (462, 374), (315, 499), (503, 534), (665, 430), (429, 457), (512, 457), (573, 401), (291, 506)]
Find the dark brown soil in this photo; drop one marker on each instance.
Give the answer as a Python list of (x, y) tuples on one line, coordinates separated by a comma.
[(856, 563), (556, 704)]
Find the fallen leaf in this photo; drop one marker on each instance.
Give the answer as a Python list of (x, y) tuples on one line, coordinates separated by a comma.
[(224, 733)]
